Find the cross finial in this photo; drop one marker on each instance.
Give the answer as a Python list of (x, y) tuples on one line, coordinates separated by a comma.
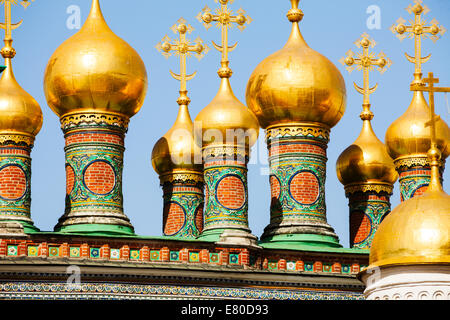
[(224, 19), (8, 51), (417, 29), (183, 48), (434, 154), (366, 61)]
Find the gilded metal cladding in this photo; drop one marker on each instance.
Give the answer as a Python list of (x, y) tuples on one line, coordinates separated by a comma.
[(296, 84), (176, 157), (88, 202), (226, 115), (20, 113), (299, 156), (366, 160), (417, 231), (95, 70), (409, 135), (20, 121)]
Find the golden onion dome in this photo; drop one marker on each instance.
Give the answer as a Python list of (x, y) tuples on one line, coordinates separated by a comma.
[(410, 134), (227, 115), (418, 230), (296, 84), (415, 232), (95, 70), (19, 111), (366, 160), (175, 151)]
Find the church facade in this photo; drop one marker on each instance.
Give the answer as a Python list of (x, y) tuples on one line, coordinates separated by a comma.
[(95, 83)]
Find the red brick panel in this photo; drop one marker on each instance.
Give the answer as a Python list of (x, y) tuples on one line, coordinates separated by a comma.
[(94, 137), (360, 227), (174, 218), (304, 188), (70, 179), (231, 192), (275, 188), (13, 182), (199, 218), (99, 177), (278, 149), (13, 150), (420, 191)]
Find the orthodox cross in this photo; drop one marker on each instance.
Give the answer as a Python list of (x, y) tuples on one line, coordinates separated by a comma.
[(224, 19), (8, 26), (434, 153), (366, 61), (183, 48), (418, 29)]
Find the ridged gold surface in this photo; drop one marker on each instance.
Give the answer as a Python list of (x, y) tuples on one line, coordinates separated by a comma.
[(95, 70), (417, 231), (296, 84), (366, 160), (409, 134), (225, 115), (175, 150), (19, 111)]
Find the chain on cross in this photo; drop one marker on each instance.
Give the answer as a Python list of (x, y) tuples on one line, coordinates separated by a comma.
[(182, 47), (224, 19), (417, 29), (366, 61)]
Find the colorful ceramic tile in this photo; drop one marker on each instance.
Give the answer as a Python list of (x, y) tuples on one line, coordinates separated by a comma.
[(114, 254), (214, 258), (154, 255), (134, 254), (13, 251), (174, 256), (33, 251), (326, 268), (290, 265), (74, 252), (53, 251), (194, 257), (234, 258), (94, 253), (272, 265), (309, 266), (346, 268)]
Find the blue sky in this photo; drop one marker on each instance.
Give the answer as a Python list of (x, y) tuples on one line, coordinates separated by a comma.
[(329, 27)]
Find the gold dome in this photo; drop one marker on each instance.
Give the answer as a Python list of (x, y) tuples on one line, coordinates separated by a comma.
[(366, 160), (95, 70), (409, 134), (226, 114), (296, 84), (417, 231), (175, 151), (19, 112)]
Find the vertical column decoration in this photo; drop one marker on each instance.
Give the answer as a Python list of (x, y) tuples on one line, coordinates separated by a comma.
[(369, 205), (414, 176), (15, 180), (226, 193), (94, 163), (297, 160), (183, 204)]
